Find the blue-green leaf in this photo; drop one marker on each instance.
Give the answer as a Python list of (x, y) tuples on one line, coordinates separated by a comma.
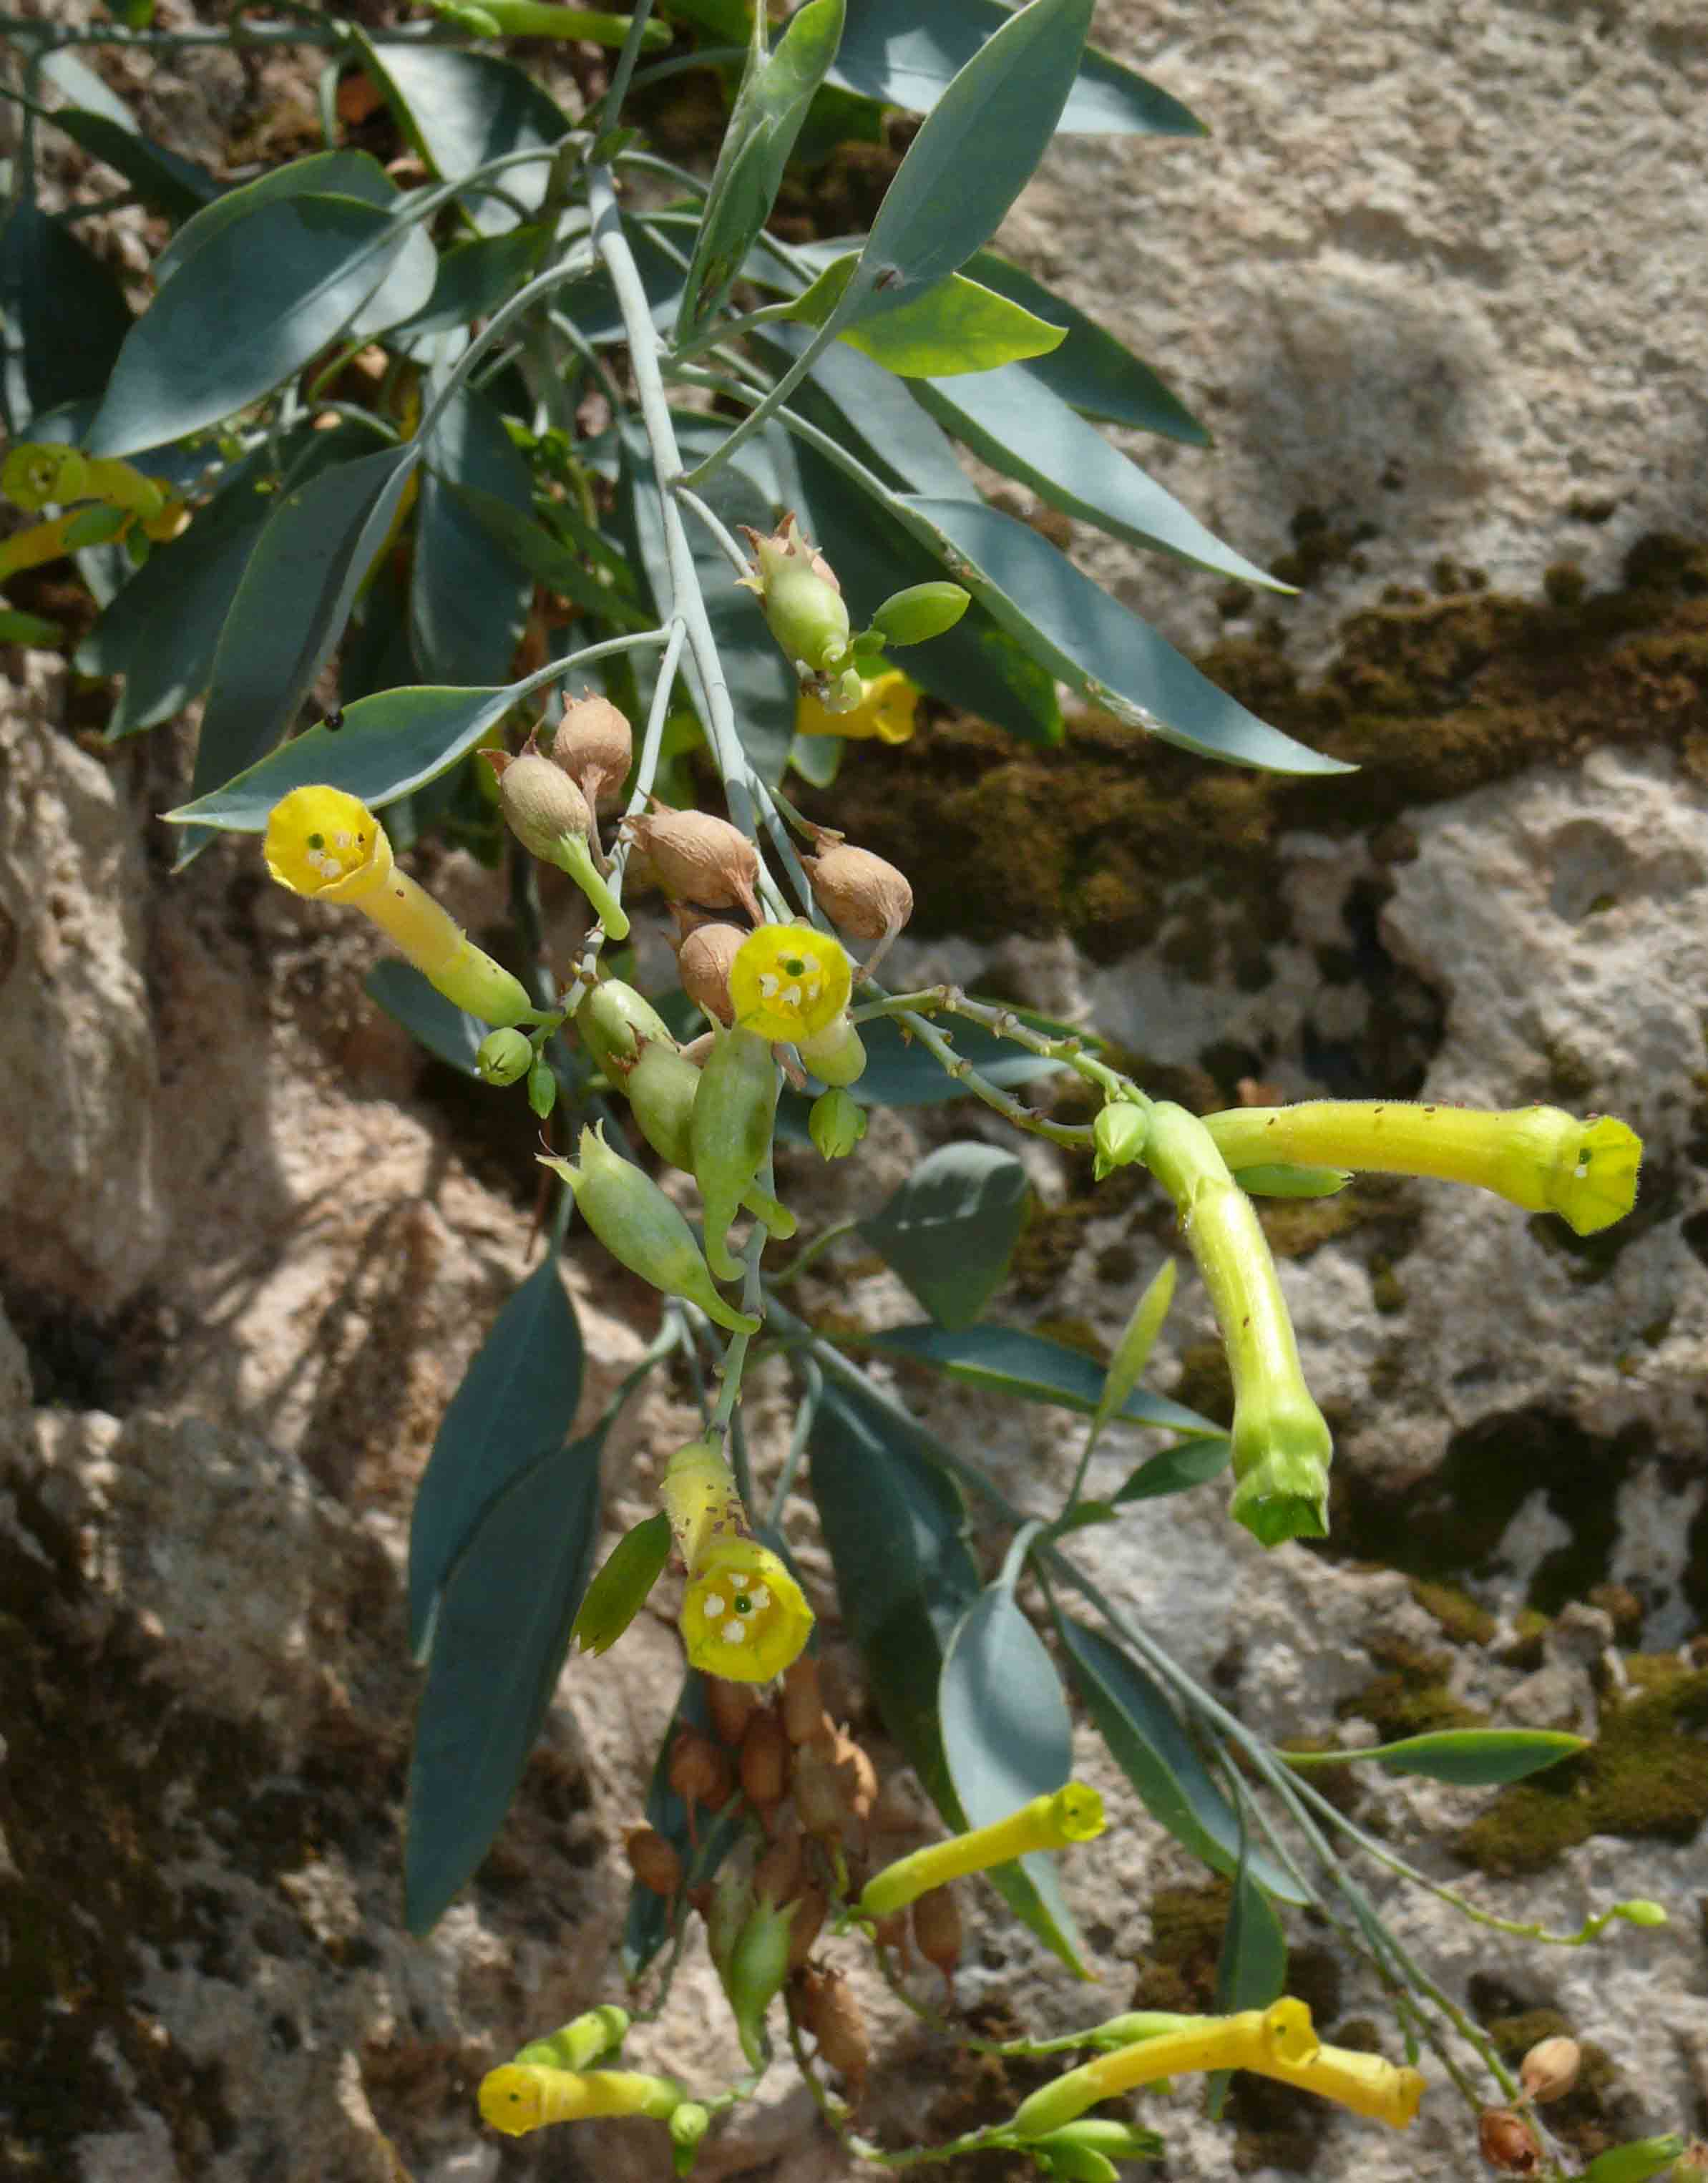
[(1251, 1970), (1148, 1743), (166, 182), (974, 154), (503, 1629), (160, 632), (956, 326), (977, 666), (463, 110), (951, 1228), (1020, 427), (1008, 1360), (1007, 1737), (1470, 1758), (516, 1405), (290, 608), (1090, 369), (474, 278), (323, 174), (467, 598), (546, 559), (389, 744), (902, 54), (1092, 643), (250, 308), (446, 1031), (769, 111), (79, 84), (1177, 1470), (66, 319)]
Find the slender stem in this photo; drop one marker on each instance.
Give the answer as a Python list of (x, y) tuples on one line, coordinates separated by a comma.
[(993, 1096), (625, 69), (805, 1256), (555, 277), (805, 1416), (707, 57), (733, 552), (768, 404)]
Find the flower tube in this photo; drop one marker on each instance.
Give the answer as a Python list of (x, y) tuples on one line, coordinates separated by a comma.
[(326, 844), (1071, 1813), (523, 2097), (1539, 1159)]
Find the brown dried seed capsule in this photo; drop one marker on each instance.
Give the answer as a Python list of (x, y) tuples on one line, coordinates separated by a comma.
[(860, 893), (824, 2005), (653, 1860), (812, 1907), (777, 1875), (731, 1706), (698, 857), (540, 804), (1549, 2070), (700, 1774), (764, 1763), (802, 1707), (892, 1932), (593, 746), (704, 961), (856, 1777), (936, 1931), (1507, 2142), (817, 1801)]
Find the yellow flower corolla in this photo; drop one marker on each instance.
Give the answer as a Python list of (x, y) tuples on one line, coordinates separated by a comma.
[(523, 2097), (789, 981), (1279, 2041), (1540, 1159), (743, 1615), (1071, 1813), (889, 710), (325, 843)]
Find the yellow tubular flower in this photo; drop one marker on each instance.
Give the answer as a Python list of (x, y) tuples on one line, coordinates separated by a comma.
[(1071, 1813), (326, 844), (1540, 1159), (889, 710), (789, 981), (743, 1615), (1278, 2042), (524, 2097)]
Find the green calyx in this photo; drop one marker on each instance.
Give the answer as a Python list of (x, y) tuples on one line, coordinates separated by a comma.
[(735, 1110), (758, 1966), (505, 1057), (835, 1055), (612, 1020), (835, 1124)]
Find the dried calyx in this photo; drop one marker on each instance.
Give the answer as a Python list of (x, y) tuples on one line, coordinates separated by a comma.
[(696, 857), (704, 961), (594, 747)]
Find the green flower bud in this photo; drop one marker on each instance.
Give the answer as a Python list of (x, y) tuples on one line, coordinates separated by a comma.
[(1118, 1134), (1637, 2162), (641, 1230), (803, 605), (1118, 2141), (542, 1087), (662, 1087), (920, 612), (1286, 1179), (759, 1966), (836, 1123), (1640, 1910), (612, 1020), (734, 1112), (1074, 2163), (835, 1055), (505, 1057), (686, 2127), (617, 1594)]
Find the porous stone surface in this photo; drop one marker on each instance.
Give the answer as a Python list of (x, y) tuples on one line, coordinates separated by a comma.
[(251, 1240)]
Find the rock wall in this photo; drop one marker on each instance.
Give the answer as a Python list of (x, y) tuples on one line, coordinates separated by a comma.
[(1430, 279)]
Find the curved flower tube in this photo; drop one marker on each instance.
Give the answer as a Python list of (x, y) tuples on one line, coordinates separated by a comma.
[(524, 2096), (1539, 1159), (325, 843), (789, 981), (1071, 1813)]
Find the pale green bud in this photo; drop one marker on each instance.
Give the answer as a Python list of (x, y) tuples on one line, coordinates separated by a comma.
[(505, 1057), (1118, 1134), (920, 612), (836, 1123)]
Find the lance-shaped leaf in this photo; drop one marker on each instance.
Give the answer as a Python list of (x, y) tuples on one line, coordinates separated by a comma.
[(1092, 643), (1091, 369), (503, 1629), (65, 317), (161, 630), (955, 326), (1007, 1737), (462, 111), (976, 151), (516, 1403), (1470, 1758), (252, 306), (1148, 1743), (1251, 1969), (165, 181), (474, 278), (389, 744), (951, 1228), (894, 1524), (1010, 1360), (467, 598), (292, 606), (769, 111), (1020, 428), (323, 174)]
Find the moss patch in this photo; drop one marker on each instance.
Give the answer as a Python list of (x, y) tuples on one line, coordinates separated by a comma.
[(1646, 1775), (1411, 1698), (1458, 1614)]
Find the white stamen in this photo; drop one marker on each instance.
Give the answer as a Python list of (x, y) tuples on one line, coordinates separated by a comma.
[(759, 1599), (715, 1606), (791, 998), (768, 983), (735, 1633)]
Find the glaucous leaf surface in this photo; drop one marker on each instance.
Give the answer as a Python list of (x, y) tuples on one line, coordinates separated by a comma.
[(951, 1228), (468, 596), (446, 1031), (463, 109), (1010, 1360)]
